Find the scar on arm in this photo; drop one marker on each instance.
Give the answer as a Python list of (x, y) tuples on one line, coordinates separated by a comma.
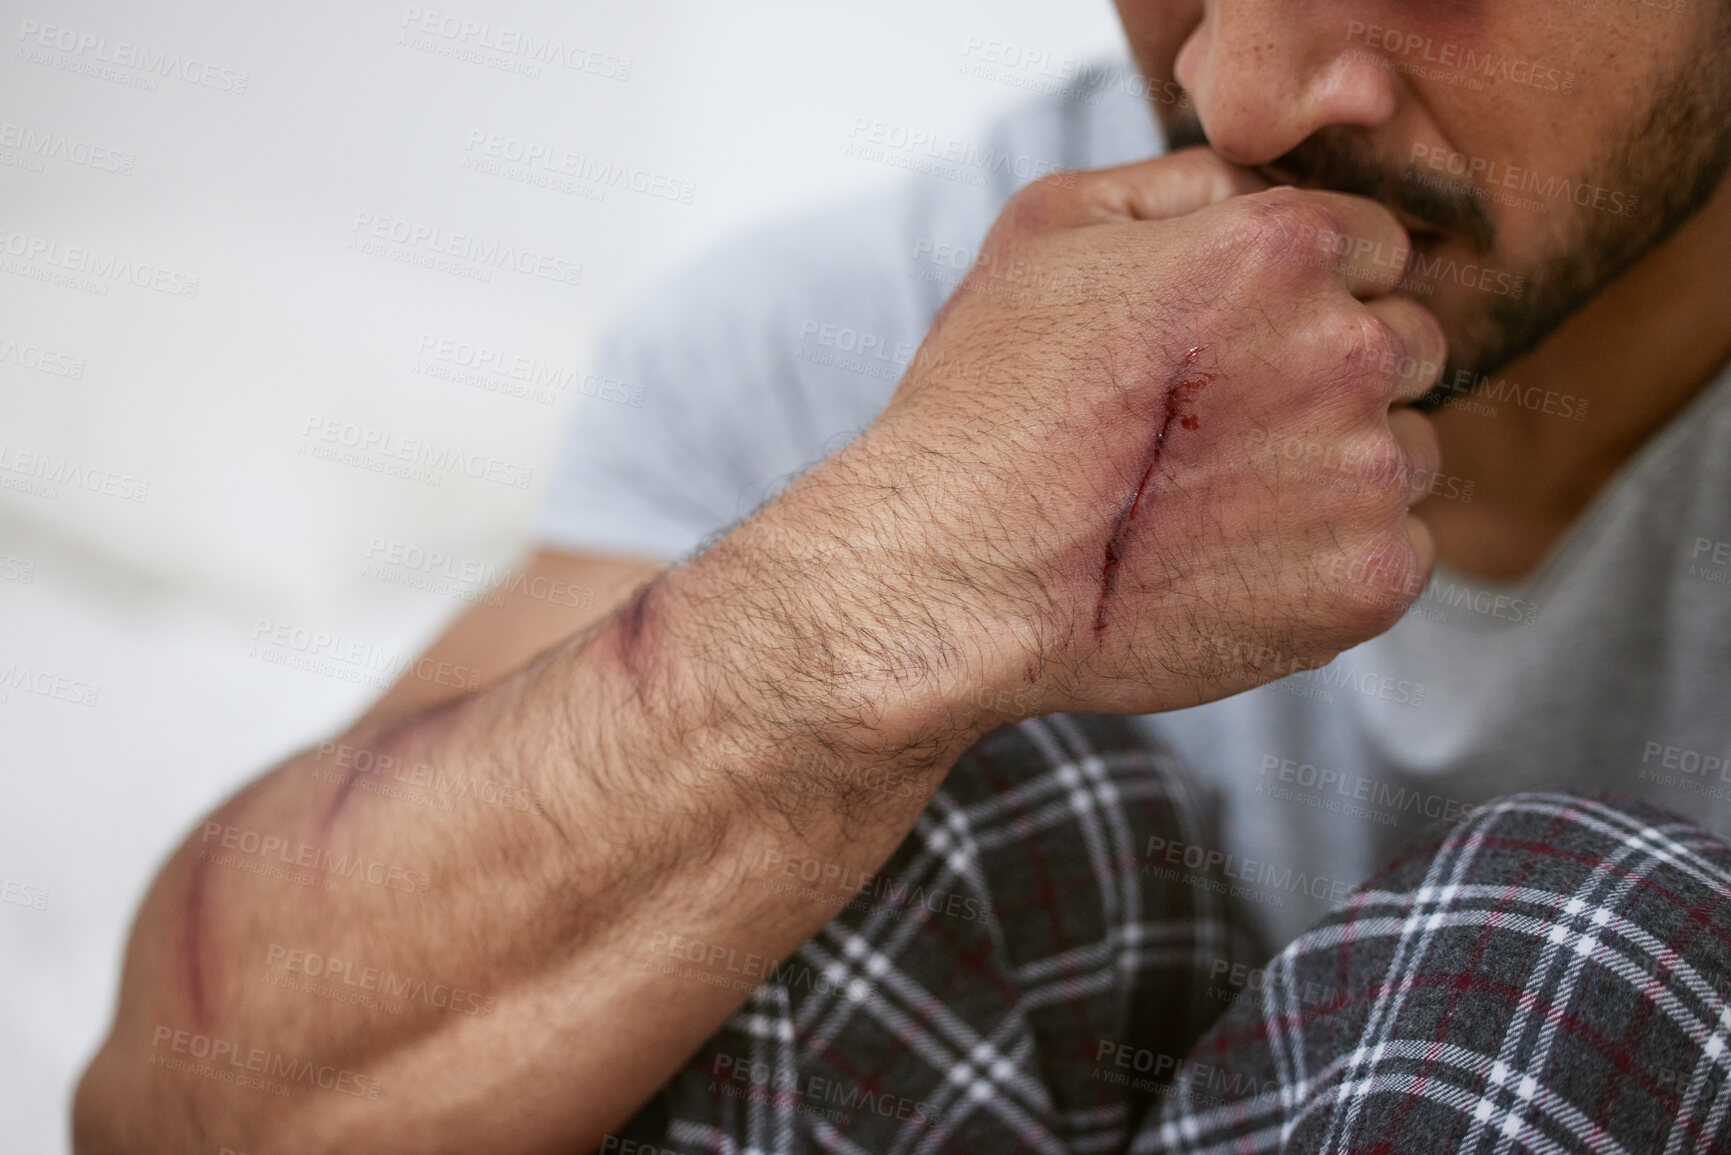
[(192, 914), (632, 632), (389, 746), (1176, 406), (191, 932), (389, 742)]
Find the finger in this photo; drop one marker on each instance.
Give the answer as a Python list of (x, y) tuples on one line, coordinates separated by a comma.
[(1416, 436), (1413, 360), (1364, 243), (1150, 190), (1168, 186), (1423, 549)]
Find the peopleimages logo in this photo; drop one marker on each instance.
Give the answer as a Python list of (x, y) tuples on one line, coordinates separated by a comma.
[(40, 145), (1352, 787), (327, 975), (496, 370), (40, 359), (422, 244), (287, 639), (91, 269), (154, 63), (1159, 1071), (582, 168), (1483, 393), (60, 687), (1039, 70), (214, 1054), (1463, 60), (327, 437), (1670, 757), (865, 890), (1475, 171), (434, 29), (223, 844), (41, 475), (772, 1083), (22, 894), (925, 150), (1253, 874), (362, 768)]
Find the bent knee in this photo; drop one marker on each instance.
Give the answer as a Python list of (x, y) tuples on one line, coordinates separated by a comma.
[(1561, 841)]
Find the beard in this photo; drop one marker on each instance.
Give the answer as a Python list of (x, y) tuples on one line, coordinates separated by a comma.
[(1667, 163)]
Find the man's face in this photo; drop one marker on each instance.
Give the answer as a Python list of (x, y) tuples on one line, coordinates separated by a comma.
[(1534, 148)]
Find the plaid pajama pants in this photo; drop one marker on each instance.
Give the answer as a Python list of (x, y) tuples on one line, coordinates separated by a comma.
[(1546, 975)]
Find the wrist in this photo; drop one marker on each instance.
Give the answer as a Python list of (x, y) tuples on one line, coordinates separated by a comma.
[(793, 654)]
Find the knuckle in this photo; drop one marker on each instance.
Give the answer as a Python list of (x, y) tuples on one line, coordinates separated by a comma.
[(1355, 350), (1382, 348), (1385, 471), (1286, 224), (1382, 580)]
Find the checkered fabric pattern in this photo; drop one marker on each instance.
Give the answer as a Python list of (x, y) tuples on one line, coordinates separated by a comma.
[(1545, 976), (930, 1031), (1548, 975)]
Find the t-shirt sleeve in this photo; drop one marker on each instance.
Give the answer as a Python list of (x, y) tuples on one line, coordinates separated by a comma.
[(734, 377), (639, 471)]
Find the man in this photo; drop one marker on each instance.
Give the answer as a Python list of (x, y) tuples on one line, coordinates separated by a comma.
[(1167, 442)]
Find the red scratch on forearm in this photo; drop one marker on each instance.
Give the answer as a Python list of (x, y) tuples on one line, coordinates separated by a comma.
[(631, 638), (192, 914), (191, 931), (389, 743)]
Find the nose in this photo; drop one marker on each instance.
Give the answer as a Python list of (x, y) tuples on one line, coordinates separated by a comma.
[(1266, 74)]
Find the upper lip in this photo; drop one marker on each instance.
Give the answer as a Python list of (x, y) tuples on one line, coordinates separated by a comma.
[(1417, 229)]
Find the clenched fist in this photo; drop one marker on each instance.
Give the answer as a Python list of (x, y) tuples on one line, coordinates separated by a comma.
[(1154, 450)]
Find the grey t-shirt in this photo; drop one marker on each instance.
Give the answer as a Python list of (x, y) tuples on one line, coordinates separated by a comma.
[(1610, 668)]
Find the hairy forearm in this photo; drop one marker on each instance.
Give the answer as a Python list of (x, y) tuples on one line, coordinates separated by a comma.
[(508, 879), (1058, 498)]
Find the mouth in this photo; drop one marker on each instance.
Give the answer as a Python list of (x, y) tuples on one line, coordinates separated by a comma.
[(1423, 233)]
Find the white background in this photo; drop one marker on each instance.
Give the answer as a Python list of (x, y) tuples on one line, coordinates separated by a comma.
[(151, 607)]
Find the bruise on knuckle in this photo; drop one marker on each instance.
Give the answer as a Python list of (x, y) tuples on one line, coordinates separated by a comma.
[(1355, 353), (1381, 348), (1285, 225), (1327, 354)]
